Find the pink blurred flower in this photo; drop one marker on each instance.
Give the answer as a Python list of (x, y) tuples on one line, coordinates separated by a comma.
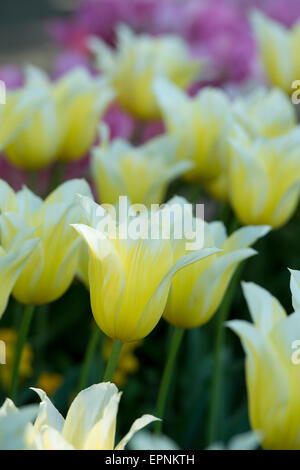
[(217, 29), (100, 18), (68, 60), (12, 76), (120, 123), (13, 176), (286, 12)]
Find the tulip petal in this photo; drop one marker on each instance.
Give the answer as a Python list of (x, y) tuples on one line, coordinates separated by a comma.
[(137, 426), (245, 236), (265, 309), (66, 191), (102, 434), (295, 288), (151, 313), (7, 198), (49, 439), (48, 414), (11, 265), (85, 411), (28, 202), (211, 286), (13, 425)]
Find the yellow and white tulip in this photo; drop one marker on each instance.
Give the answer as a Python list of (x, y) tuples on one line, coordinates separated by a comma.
[(199, 124), (17, 112), (264, 178), (279, 50), (198, 290), (82, 112), (37, 144), (90, 423), (65, 123), (260, 113), (141, 173), (137, 61), (53, 262), (273, 379), (130, 275)]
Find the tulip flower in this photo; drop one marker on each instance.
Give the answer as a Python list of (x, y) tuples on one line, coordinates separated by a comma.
[(13, 425), (141, 173), (264, 179), (37, 144), (53, 262), (137, 61), (81, 114), (17, 112), (197, 290), (273, 380), (65, 124), (278, 49), (90, 423), (130, 274), (199, 123), (265, 112), (261, 113)]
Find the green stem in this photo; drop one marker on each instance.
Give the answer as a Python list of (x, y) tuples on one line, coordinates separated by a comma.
[(90, 352), (234, 225), (32, 179), (58, 174), (225, 214), (167, 376), (217, 377), (27, 317), (113, 359), (194, 194)]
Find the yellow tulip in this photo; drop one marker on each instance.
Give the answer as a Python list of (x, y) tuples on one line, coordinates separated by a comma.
[(17, 112), (199, 123), (265, 112), (279, 50), (52, 265), (137, 61), (264, 178), (81, 114), (90, 423), (130, 274), (261, 113), (37, 144), (65, 124), (273, 379), (198, 290), (141, 173)]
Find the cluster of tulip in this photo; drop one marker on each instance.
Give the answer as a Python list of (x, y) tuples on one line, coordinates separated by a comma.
[(243, 150)]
